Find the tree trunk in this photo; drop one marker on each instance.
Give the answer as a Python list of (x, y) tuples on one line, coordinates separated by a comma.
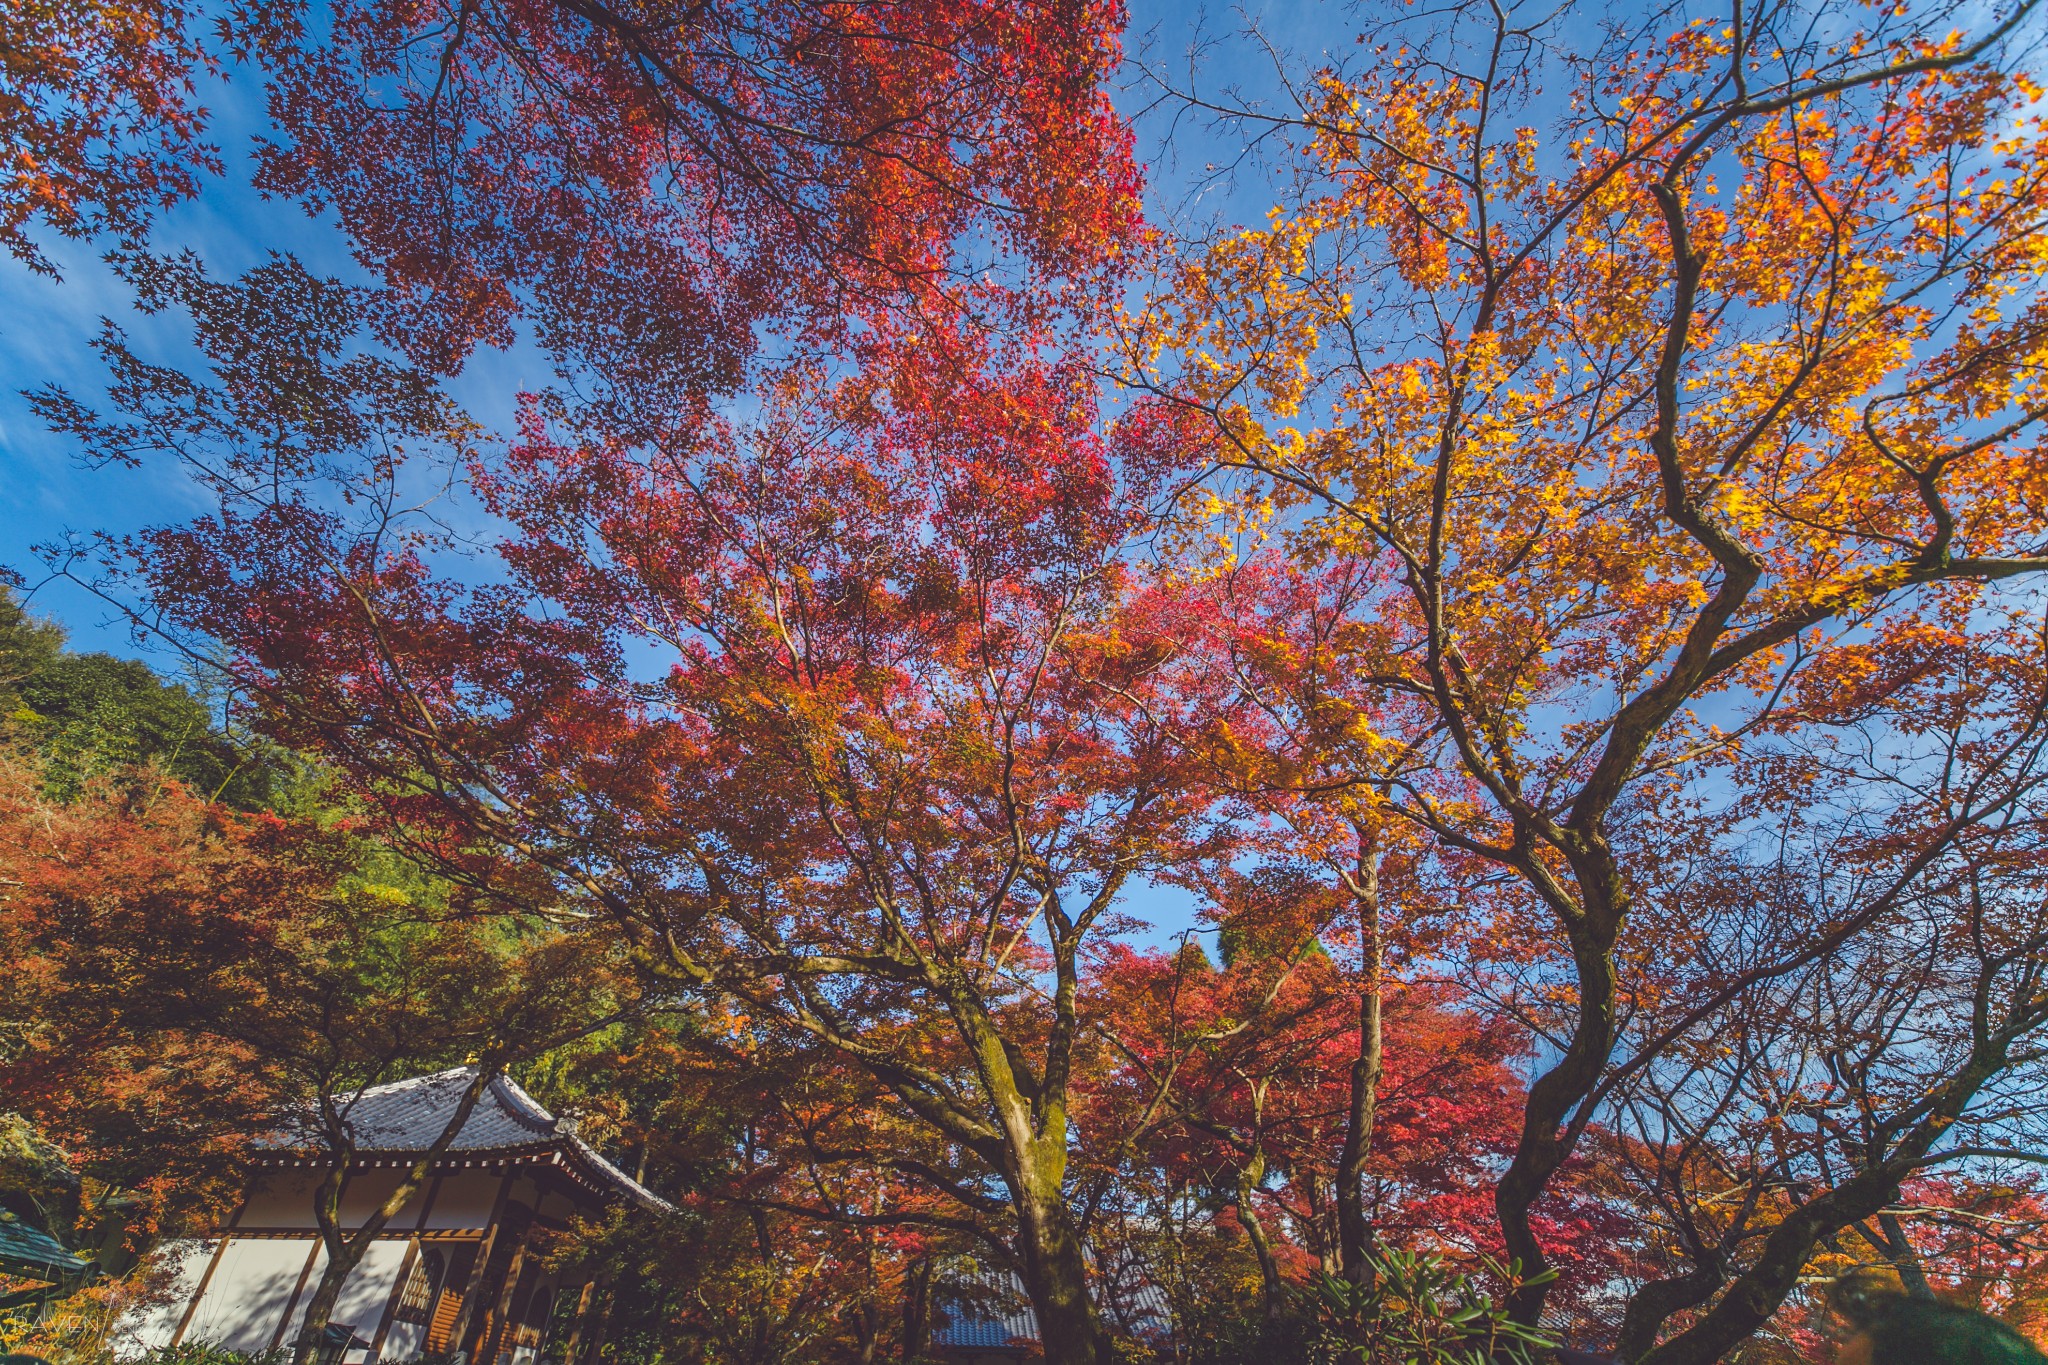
[(867, 1316), (1651, 1306), (1249, 1178), (1354, 1229), (1319, 1228), (1757, 1292), (764, 1250), (345, 1253), (320, 1308), (1056, 1277), (1897, 1248), (1754, 1295), (1542, 1148), (917, 1309)]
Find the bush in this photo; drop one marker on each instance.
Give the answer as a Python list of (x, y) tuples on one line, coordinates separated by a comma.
[(205, 1353), (1420, 1310)]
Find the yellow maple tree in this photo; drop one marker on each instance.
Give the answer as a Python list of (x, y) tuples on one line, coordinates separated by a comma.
[(1681, 376)]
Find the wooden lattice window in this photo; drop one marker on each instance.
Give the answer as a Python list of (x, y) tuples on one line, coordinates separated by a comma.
[(418, 1294)]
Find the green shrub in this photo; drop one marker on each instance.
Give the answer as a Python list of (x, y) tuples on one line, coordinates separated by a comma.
[(206, 1353), (1419, 1309)]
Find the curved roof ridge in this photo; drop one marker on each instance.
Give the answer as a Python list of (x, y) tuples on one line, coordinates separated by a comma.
[(413, 1082), (522, 1106), (626, 1184)]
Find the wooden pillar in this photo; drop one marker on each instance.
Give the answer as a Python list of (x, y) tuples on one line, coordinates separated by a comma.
[(212, 1264), (412, 1255), (501, 1312), (458, 1332), (284, 1319), (205, 1278), (604, 1317), (405, 1266), (446, 1304)]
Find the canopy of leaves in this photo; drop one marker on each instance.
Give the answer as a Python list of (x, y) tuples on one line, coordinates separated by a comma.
[(86, 715)]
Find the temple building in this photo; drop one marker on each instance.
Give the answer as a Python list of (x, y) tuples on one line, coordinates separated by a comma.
[(454, 1270), (983, 1317)]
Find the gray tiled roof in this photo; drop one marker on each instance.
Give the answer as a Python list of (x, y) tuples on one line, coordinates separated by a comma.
[(1001, 1318), (1018, 1331), (410, 1116), (989, 1311), (29, 1250)]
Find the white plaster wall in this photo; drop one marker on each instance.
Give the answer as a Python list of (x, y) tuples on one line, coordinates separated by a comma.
[(404, 1340), (365, 1191), (148, 1324), (368, 1288), (285, 1200), (465, 1201), (248, 1293)]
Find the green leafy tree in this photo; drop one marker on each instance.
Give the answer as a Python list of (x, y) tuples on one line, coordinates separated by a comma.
[(87, 714)]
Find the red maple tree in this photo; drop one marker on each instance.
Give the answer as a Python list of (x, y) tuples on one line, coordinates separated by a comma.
[(860, 717), (643, 186)]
